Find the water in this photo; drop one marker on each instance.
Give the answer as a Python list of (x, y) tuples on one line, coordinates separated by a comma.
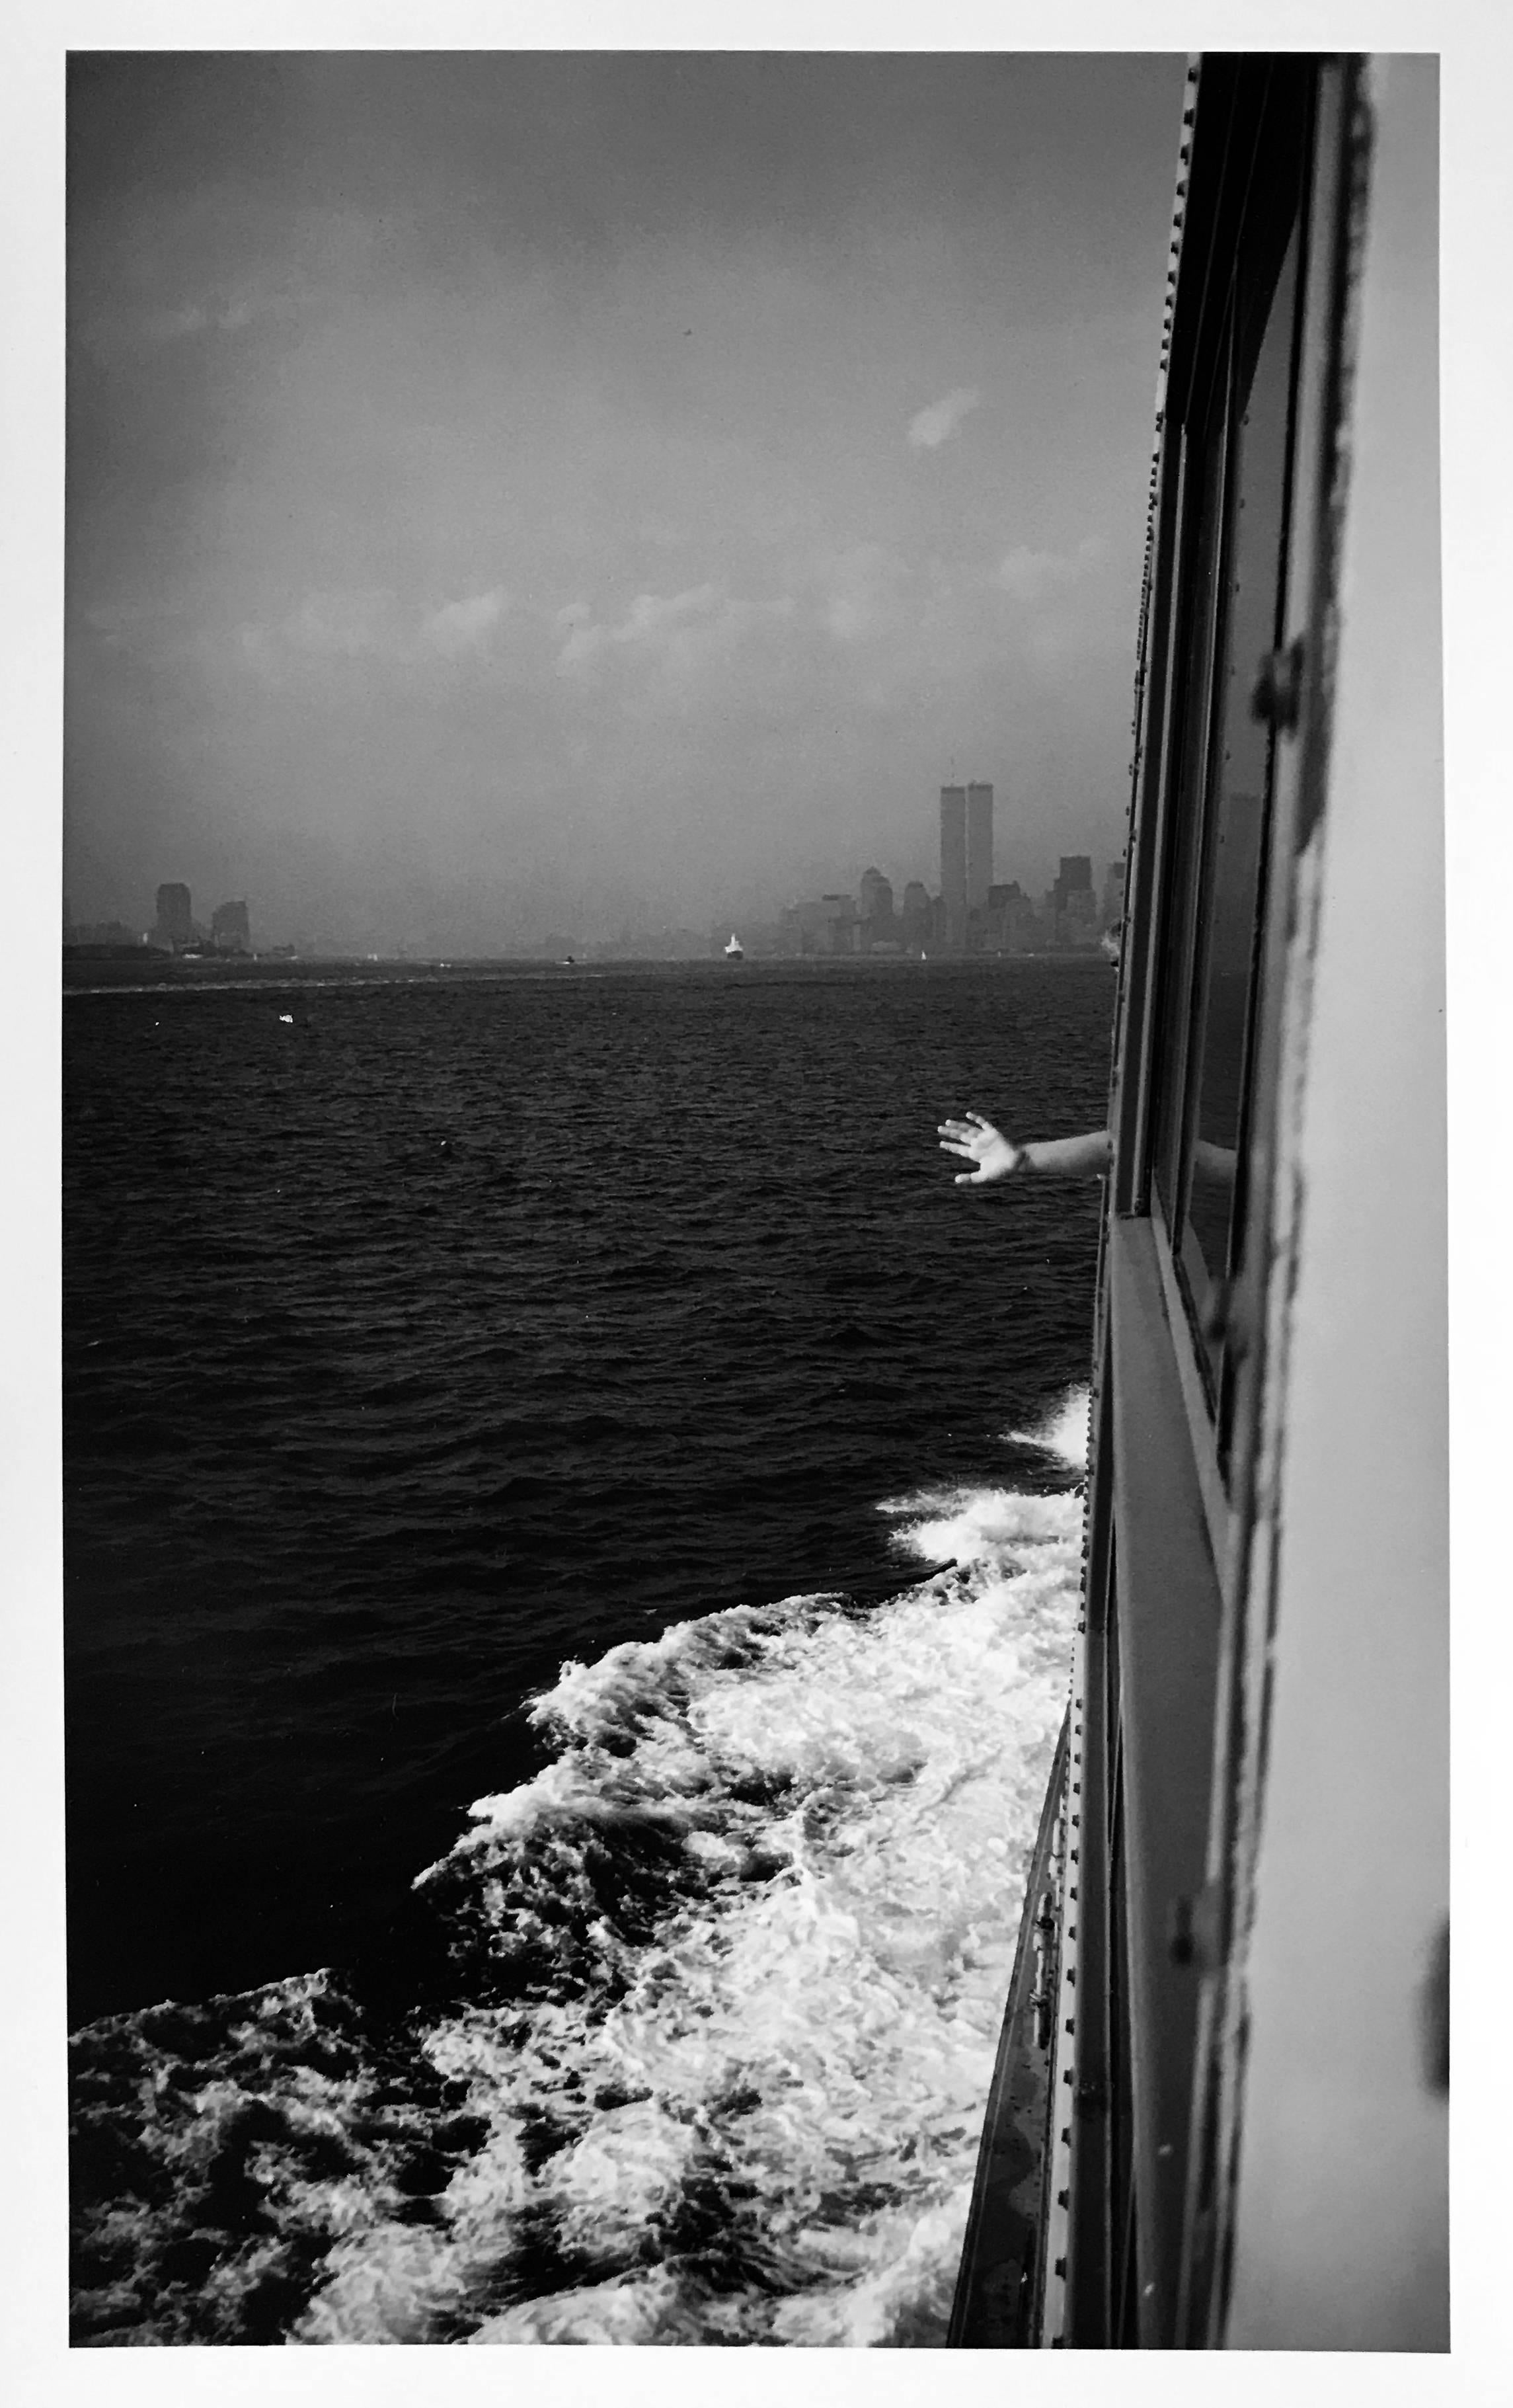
[(502, 1414)]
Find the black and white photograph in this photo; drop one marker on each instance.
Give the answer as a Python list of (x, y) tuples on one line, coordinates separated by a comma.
[(750, 1200)]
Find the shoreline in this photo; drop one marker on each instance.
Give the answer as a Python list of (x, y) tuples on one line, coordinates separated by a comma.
[(127, 973)]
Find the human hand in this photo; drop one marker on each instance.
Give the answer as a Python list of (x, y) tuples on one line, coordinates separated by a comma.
[(976, 1141)]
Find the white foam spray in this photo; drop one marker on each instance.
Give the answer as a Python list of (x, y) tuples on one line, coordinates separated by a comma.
[(766, 2120), (1064, 1433), (747, 1940)]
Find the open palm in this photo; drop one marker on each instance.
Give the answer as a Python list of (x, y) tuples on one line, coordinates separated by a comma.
[(990, 1153)]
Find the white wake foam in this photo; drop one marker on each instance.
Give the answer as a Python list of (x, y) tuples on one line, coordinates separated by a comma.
[(728, 1978), (1064, 1433), (766, 2120)]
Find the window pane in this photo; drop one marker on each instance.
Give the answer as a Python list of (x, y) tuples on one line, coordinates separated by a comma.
[(1202, 498), (1235, 831)]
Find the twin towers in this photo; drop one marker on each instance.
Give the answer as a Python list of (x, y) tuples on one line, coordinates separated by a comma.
[(965, 860)]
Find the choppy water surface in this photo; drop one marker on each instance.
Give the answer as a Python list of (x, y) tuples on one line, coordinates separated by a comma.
[(582, 1858)]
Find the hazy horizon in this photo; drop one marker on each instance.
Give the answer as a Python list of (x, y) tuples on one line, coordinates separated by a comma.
[(534, 496)]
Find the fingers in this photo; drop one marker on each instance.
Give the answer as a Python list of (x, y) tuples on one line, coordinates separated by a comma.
[(970, 1138)]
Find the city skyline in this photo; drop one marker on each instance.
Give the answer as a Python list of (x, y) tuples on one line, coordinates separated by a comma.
[(174, 926), (511, 494), (965, 882), (1070, 914)]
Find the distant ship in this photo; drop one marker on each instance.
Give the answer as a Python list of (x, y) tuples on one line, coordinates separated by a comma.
[(735, 951)]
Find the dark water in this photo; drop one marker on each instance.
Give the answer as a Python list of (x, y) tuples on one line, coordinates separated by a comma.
[(443, 1332)]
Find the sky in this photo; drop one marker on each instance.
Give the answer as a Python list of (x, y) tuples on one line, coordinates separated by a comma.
[(514, 498)]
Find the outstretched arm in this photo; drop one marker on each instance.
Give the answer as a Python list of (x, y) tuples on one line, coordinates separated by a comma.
[(992, 1155)]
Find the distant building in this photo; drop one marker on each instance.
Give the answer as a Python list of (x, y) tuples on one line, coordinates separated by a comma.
[(1013, 924), (229, 929), (1074, 905), (823, 924), (1113, 900), (843, 924), (175, 925), (878, 925), (915, 919), (979, 850), (112, 934), (953, 865)]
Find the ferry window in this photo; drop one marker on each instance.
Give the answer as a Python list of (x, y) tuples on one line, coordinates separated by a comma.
[(1236, 424), (1203, 480), (1235, 819)]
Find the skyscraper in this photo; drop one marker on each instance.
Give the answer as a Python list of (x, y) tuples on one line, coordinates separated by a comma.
[(175, 923), (878, 926), (953, 865), (914, 919), (1075, 908), (229, 928), (978, 850)]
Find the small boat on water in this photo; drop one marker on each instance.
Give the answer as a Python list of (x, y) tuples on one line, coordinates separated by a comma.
[(735, 951)]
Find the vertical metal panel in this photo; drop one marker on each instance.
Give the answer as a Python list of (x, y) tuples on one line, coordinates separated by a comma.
[(995, 2301), (1341, 2212), (1090, 1807), (1168, 1604)]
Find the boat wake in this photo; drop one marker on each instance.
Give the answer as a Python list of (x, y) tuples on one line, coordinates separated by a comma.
[(1063, 1435), (700, 2050)]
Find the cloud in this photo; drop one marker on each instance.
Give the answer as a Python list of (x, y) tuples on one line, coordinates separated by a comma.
[(459, 627), (583, 637), (651, 624), (655, 617), (936, 423), (345, 624), (866, 594), (348, 622), (839, 601), (1030, 576), (703, 657)]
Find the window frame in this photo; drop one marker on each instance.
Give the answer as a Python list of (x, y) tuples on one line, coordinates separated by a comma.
[(1207, 421)]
